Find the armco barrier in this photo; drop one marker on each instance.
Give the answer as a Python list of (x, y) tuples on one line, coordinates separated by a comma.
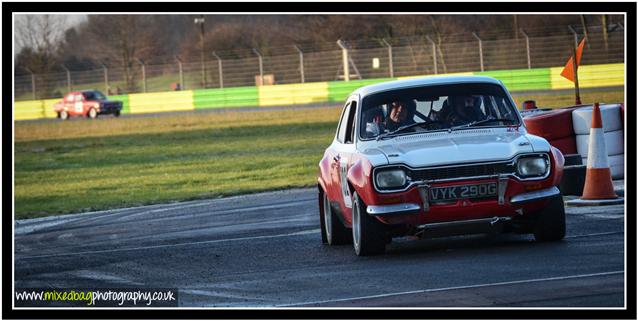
[(225, 97), (324, 92), (160, 102), (295, 94)]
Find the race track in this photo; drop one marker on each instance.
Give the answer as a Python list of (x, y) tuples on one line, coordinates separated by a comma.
[(265, 250)]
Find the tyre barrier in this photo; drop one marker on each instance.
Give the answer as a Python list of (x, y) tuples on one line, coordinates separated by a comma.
[(616, 165), (566, 145), (611, 117), (614, 142), (551, 125), (573, 159), (573, 180)]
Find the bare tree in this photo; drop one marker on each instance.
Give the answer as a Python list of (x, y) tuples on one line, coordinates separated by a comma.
[(120, 39), (41, 35)]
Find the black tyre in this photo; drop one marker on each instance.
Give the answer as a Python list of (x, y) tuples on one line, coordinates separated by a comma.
[(116, 113), (368, 234), (92, 113), (550, 222), (335, 233), (64, 115)]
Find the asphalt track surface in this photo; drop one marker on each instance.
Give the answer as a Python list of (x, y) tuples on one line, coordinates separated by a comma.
[(264, 250)]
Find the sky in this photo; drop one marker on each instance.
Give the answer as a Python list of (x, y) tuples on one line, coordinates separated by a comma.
[(68, 20)]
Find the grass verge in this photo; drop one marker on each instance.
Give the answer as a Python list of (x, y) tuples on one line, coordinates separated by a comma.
[(86, 165)]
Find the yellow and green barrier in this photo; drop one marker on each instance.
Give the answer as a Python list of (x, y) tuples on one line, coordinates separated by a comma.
[(225, 97), (590, 76), (161, 102)]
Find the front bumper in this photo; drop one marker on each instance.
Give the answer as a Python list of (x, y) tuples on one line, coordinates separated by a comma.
[(109, 109), (413, 206)]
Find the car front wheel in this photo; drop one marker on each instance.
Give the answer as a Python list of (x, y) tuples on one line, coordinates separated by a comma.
[(550, 223), (335, 232), (116, 113), (368, 234), (64, 115)]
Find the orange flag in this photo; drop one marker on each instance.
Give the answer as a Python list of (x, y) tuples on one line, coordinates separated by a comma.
[(568, 71)]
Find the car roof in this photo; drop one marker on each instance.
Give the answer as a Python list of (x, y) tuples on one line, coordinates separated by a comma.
[(423, 81)]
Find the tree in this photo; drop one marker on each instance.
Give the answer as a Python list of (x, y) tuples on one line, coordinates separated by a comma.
[(121, 40)]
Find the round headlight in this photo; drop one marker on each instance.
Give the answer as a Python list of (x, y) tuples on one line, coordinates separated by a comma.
[(532, 166), (391, 178)]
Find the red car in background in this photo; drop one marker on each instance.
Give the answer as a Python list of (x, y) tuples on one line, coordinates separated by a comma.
[(86, 103)]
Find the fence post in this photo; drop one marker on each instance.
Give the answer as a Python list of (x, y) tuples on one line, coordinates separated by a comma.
[(436, 70), (575, 35), (346, 65), (32, 82), (106, 78), (303, 77), (390, 62), (480, 49), (181, 73), (68, 78), (219, 67), (529, 59), (261, 66), (143, 73)]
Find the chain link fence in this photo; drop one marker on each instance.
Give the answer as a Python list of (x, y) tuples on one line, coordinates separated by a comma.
[(382, 58)]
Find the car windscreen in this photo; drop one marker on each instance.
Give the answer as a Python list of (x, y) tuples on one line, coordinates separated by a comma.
[(435, 107), (93, 95)]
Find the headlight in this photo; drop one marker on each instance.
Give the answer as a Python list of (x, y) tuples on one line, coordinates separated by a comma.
[(391, 178), (532, 166)]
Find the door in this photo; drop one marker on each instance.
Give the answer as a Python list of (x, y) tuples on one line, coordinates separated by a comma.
[(344, 148), (78, 105)]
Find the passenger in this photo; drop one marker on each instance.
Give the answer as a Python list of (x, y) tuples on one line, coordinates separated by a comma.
[(462, 110)]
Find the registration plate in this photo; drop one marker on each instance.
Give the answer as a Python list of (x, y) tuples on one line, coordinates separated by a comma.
[(456, 192)]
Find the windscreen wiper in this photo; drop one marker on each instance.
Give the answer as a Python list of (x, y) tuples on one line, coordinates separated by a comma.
[(402, 128), (479, 122)]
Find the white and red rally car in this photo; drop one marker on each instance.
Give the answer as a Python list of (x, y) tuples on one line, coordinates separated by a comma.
[(436, 156)]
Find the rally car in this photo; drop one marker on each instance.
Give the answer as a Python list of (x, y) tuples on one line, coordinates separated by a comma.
[(436, 156), (87, 103)]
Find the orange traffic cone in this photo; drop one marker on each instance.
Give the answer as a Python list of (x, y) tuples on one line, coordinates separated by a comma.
[(599, 188)]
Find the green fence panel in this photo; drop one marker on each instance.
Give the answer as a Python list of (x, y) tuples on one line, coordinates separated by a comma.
[(226, 97), (124, 99), (338, 91), (522, 79)]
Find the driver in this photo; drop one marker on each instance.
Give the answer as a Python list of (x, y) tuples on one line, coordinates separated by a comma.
[(401, 114), (462, 110)]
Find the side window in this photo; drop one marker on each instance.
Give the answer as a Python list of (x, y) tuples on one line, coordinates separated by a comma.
[(351, 122), (343, 124), (78, 97)]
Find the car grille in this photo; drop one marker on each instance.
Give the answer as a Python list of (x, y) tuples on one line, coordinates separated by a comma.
[(461, 171)]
